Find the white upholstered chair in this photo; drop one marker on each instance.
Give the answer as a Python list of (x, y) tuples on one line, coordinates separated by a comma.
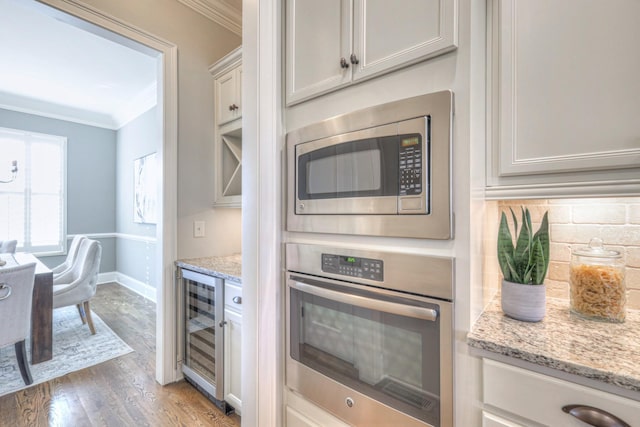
[(16, 290), (8, 246), (71, 256), (78, 285)]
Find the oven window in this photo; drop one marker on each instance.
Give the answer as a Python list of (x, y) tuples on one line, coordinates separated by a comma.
[(362, 168), (347, 172), (392, 358)]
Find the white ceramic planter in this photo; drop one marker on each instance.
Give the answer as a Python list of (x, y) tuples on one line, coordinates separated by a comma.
[(524, 302)]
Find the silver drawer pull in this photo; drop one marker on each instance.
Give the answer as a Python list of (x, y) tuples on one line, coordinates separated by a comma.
[(4, 286), (237, 300), (594, 416)]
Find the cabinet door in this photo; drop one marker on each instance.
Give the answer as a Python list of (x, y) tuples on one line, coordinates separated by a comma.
[(318, 36), (233, 359), (540, 398), (388, 35), (565, 97), (227, 101)]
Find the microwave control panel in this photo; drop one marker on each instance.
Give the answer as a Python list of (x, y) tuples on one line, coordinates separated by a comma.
[(410, 165), (366, 268)]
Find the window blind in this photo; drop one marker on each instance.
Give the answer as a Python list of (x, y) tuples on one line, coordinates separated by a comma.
[(33, 206)]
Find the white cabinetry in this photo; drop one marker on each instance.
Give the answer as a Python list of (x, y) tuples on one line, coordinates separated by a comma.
[(227, 75), (564, 99), (232, 348), (518, 397), (332, 43)]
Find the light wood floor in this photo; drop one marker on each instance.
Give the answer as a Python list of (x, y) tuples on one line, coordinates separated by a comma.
[(121, 391)]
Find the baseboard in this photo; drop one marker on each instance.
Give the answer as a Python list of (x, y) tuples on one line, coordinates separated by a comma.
[(141, 288)]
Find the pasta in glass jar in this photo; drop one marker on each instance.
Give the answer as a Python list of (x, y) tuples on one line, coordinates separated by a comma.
[(597, 288)]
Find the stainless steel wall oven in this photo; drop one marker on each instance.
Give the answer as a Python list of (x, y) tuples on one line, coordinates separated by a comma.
[(370, 334)]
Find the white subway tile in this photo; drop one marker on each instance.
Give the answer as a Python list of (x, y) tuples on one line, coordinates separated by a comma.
[(559, 271), (559, 252), (557, 289), (599, 214), (633, 256), (633, 299), (559, 214), (632, 278), (634, 214)]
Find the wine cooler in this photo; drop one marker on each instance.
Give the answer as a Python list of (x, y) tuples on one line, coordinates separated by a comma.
[(203, 354)]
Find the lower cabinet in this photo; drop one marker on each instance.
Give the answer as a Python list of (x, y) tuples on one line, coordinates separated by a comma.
[(515, 397), (232, 346)]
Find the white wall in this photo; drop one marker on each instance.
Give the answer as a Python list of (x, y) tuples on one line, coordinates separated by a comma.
[(200, 43)]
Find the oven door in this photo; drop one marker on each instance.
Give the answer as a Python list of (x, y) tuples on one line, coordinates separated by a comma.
[(370, 356)]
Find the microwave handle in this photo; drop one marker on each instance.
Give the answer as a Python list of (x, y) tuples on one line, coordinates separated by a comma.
[(373, 304)]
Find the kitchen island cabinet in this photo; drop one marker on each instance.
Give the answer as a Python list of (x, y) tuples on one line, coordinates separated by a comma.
[(563, 101), (331, 44)]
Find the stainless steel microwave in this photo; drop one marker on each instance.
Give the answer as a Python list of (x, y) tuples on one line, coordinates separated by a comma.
[(381, 171)]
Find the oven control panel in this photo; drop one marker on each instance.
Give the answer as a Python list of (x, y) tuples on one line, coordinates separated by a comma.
[(366, 268)]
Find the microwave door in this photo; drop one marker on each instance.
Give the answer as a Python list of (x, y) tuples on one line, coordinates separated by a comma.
[(348, 174)]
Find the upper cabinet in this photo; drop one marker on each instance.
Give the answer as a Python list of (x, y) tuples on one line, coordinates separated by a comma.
[(228, 88), (227, 75), (333, 43), (565, 97)]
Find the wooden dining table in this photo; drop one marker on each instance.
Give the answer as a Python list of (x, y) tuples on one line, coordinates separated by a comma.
[(41, 306)]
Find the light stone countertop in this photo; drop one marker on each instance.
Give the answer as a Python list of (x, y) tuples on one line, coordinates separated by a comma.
[(605, 352), (226, 267)]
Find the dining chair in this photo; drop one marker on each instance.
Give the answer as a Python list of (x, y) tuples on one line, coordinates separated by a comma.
[(71, 256), (16, 291), (8, 246), (78, 285)]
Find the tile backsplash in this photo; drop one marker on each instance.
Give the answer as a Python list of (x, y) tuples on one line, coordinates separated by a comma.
[(572, 224)]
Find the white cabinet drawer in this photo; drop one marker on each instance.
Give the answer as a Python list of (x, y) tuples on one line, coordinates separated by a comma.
[(540, 398), (492, 420), (233, 295)]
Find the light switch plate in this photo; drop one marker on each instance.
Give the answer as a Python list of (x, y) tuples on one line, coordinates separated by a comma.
[(198, 228)]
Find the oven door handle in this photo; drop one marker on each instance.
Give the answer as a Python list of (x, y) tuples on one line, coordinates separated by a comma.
[(373, 304)]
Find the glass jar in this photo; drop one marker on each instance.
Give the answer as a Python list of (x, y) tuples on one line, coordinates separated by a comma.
[(596, 279)]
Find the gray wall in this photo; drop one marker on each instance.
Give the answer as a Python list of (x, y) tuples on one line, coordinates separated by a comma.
[(200, 43), (135, 258), (91, 177)]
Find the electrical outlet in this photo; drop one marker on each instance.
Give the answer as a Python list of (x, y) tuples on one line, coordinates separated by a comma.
[(198, 228)]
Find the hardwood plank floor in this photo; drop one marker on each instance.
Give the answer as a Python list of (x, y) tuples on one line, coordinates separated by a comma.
[(121, 391)]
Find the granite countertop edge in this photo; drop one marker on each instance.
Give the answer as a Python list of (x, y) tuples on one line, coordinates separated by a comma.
[(225, 267), (495, 333)]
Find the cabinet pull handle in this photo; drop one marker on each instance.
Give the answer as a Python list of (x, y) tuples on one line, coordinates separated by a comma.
[(237, 300), (235, 107), (354, 59), (594, 416), (231, 107), (6, 286), (222, 323), (344, 63)]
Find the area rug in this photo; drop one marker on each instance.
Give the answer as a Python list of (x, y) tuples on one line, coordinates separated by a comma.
[(74, 348)]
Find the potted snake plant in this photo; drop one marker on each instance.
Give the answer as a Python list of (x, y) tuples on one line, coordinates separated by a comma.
[(524, 266)]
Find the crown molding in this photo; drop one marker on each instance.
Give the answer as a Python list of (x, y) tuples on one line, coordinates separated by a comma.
[(218, 12)]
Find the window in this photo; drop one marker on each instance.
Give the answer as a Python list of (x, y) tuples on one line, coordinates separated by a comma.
[(32, 207)]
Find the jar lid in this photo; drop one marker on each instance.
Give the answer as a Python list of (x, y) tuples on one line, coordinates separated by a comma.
[(596, 249)]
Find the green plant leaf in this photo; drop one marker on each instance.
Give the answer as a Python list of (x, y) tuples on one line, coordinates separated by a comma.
[(505, 248), (522, 255), (539, 267), (543, 236), (513, 272)]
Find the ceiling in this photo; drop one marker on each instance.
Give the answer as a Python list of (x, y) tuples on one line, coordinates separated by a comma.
[(51, 68)]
